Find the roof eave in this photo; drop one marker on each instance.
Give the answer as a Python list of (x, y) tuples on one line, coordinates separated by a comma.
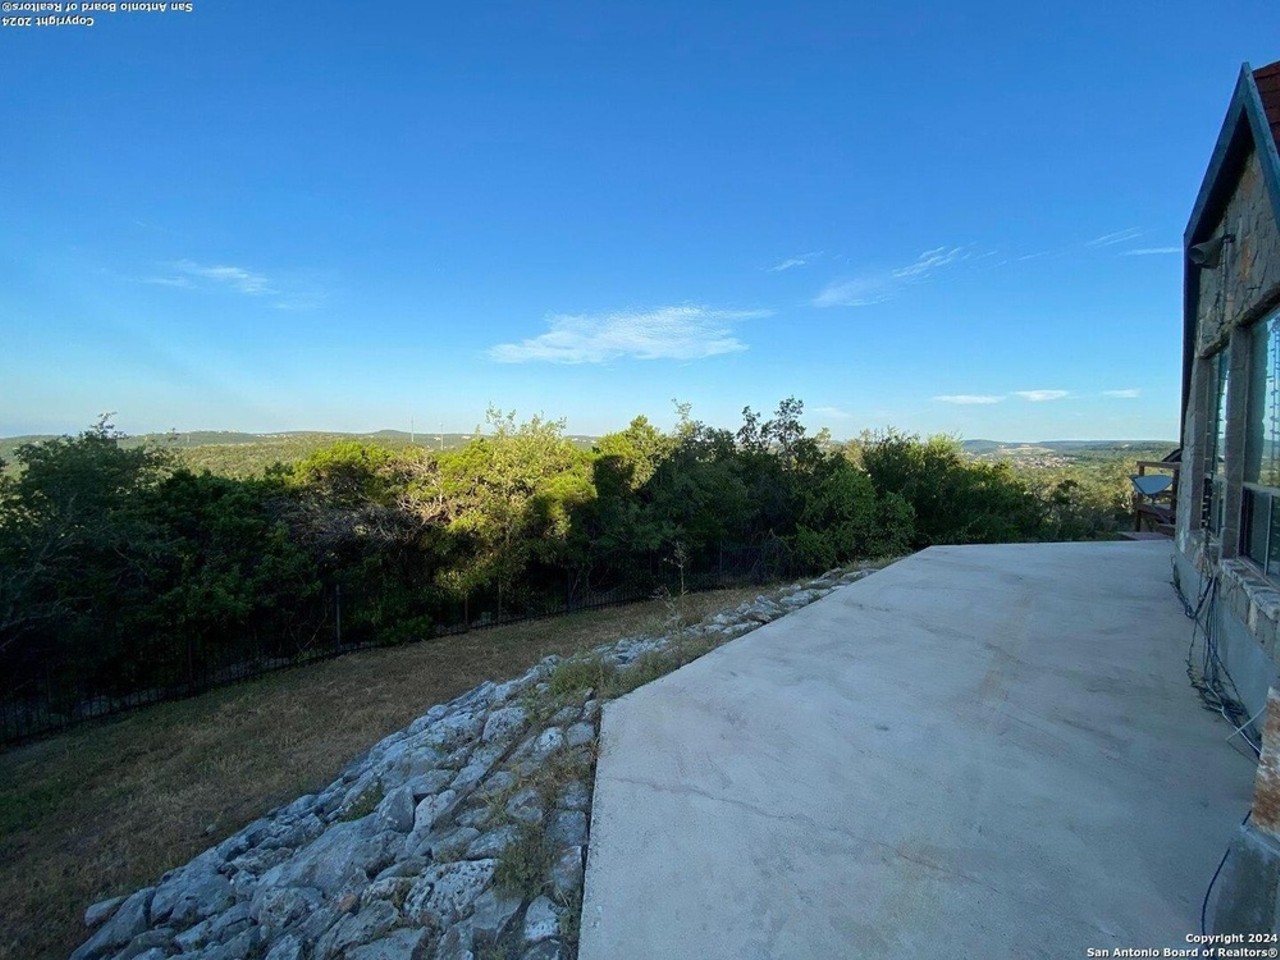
[(1246, 113)]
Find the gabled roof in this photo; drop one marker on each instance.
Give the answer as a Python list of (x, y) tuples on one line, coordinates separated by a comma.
[(1268, 80), (1252, 123)]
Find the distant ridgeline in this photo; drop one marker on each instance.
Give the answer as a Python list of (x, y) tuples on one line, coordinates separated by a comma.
[(139, 569)]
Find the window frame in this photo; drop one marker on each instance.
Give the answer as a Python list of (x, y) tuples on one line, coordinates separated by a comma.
[(1213, 514), (1263, 362)]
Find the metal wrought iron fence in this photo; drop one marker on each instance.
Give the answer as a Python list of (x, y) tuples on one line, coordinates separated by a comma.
[(46, 690)]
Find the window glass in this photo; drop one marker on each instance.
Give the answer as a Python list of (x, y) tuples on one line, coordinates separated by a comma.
[(1218, 440), (1215, 444), (1262, 447)]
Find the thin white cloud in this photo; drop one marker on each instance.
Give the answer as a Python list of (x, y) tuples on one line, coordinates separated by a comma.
[(792, 262), (1149, 251), (184, 282), (685, 332), (877, 287), (929, 261), (238, 278), (1109, 239), (860, 292), (834, 413), (969, 399), (1040, 396), (1126, 394)]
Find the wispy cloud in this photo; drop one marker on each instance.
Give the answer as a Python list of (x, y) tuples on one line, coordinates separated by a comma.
[(969, 399), (685, 332), (1127, 394), (187, 275), (930, 261), (833, 413), (879, 286), (792, 262), (1040, 396), (860, 292), (296, 292), (1150, 251), (1109, 239), (238, 278)]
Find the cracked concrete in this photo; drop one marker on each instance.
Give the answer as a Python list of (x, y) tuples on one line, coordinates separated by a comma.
[(977, 751)]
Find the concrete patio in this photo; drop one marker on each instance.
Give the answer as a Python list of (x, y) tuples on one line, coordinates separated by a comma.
[(978, 751)]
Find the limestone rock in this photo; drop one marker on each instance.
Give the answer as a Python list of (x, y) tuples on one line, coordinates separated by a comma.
[(278, 908), (129, 920), (288, 947), (340, 860), (398, 945), (428, 782), (503, 724), (494, 911), (525, 806), (453, 844), (547, 743), (566, 874), (476, 768), (394, 890), (355, 930), (546, 950), (431, 810), (408, 867), (100, 911), (445, 893), (259, 861), (541, 921), (456, 944), (575, 796), (450, 731), (238, 948), (397, 810), (161, 939), (579, 733), (494, 843), (568, 828)]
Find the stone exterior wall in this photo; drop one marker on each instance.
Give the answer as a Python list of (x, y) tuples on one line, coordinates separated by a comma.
[(1232, 296), (1248, 281)]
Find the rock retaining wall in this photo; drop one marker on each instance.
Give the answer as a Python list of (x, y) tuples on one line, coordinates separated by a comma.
[(461, 837)]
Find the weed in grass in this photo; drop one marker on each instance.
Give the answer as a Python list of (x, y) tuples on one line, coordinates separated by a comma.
[(364, 804), (571, 919), (580, 673), (525, 864)]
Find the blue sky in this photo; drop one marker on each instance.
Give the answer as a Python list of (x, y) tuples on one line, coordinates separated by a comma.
[(286, 215)]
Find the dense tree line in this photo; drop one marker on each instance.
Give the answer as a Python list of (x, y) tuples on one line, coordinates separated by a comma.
[(121, 569)]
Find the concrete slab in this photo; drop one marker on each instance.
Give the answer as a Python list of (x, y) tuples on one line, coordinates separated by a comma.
[(979, 751)]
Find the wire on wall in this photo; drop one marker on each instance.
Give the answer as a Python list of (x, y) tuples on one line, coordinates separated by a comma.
[(1210, 676)]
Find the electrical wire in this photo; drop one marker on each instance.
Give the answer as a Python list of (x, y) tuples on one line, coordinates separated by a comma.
[(1218, 696), (1204, 904), (1208, 684)]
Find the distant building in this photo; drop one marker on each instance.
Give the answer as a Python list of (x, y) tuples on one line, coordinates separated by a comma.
[(1228, 511)]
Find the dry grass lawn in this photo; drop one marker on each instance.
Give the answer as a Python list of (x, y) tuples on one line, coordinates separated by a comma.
[(107, 808)]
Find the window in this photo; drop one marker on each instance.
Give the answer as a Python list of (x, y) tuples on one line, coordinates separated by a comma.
[(1260, 522), (1215, 468)]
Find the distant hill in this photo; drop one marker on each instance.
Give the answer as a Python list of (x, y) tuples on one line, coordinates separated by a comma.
[(1069, 446), (234, 454)]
